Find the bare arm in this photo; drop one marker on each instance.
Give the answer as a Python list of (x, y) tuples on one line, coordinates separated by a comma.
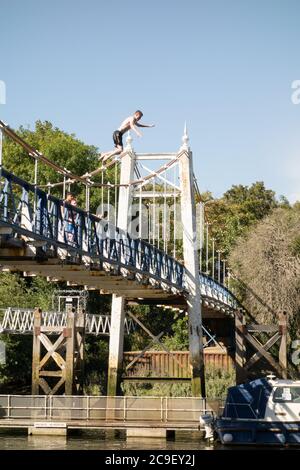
[(145, 125)]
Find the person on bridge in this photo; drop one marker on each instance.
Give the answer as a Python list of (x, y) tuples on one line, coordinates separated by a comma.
[(131, 122), (68, 217)]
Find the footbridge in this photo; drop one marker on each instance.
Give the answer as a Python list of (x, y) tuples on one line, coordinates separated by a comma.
[(141, 245)]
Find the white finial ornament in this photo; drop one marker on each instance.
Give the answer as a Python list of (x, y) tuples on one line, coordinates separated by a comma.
[(185, 139), (128, 141)]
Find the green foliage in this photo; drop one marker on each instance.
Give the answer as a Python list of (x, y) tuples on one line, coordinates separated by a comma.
[(254, 202), (156, 319), (178, 340), (95, 383), (12, 289), (95, 367), (216, 381), (17, 370), (238, 209), (16, 291), (157, 389)]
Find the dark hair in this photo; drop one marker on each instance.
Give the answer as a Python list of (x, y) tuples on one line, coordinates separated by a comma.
[(139, 112)]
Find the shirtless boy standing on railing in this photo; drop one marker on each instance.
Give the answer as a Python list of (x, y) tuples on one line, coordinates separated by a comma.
[(130, 122)]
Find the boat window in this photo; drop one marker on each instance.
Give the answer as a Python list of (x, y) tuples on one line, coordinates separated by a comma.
[(287, 394)]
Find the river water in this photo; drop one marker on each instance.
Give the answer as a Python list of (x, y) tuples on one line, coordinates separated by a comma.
[(99, 440)]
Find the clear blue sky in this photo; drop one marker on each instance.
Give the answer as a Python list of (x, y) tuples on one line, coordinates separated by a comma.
[(224, 66)]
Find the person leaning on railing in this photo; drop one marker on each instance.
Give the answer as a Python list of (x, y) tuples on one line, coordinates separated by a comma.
[(67, 216)]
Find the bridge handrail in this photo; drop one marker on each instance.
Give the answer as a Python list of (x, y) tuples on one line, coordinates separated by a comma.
[(68, 227), (119, 408), (218, 289)]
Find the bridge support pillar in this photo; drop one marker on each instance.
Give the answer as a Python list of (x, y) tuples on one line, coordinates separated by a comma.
[(116, 339), (248, 335), (240, 347), (191, 262), (283, 325)]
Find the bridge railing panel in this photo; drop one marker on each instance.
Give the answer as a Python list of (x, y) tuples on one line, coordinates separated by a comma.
[(68, 230)]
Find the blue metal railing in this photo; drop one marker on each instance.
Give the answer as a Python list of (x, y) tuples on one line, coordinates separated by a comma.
[(212, 289), (70, 231), (31, 212)]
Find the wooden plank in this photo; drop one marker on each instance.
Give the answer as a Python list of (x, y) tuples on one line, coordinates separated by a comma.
[(51, 329), (258, 355), (51, 351), (156, 379), (264, 353), (170, 365), (240, 348), (283, 323), (44, 386), (149, 333), (261, 328), (50, 373), (138, 356), (58, 385)]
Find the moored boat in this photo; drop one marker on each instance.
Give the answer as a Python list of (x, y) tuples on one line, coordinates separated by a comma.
[(261, 412)]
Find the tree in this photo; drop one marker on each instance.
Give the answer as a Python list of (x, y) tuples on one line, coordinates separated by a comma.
[(238, 209), (267, 260), (63, 149), (16, 291)]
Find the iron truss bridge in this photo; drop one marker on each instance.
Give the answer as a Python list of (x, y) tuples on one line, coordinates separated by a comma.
[(42, 235), (20, 321)]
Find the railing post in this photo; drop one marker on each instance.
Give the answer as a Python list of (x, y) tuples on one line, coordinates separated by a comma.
[(125, 403), (45, 414), (50, 406), (87, 407), (166, 415)]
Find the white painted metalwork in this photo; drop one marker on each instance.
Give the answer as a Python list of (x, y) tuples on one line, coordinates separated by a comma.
[(20, 321)]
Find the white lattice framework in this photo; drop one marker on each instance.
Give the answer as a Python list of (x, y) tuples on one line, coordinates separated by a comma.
[(20, 321)]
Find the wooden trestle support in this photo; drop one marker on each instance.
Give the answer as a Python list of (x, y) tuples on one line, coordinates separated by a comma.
[(58, 355)]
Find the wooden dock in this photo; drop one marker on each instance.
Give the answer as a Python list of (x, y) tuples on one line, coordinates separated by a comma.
[(54, 414)]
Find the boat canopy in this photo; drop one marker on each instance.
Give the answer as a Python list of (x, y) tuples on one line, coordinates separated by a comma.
[(248, 400)]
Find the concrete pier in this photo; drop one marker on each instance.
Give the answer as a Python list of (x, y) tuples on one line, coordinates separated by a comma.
[(48, 429)]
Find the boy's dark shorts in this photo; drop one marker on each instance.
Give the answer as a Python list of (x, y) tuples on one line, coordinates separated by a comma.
[(118, 138)]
